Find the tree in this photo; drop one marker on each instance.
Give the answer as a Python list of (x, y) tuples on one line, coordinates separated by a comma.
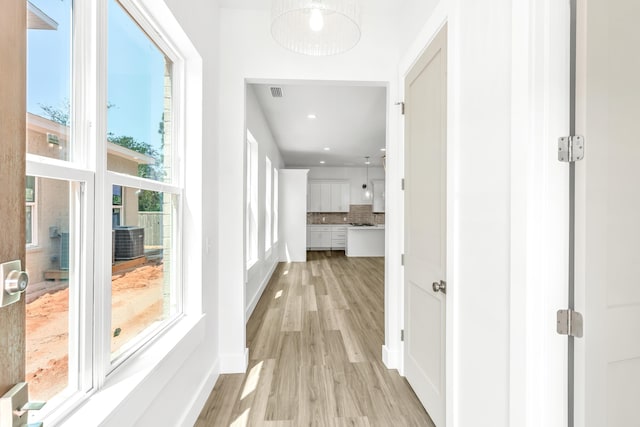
[(148, 201), (57, 114)]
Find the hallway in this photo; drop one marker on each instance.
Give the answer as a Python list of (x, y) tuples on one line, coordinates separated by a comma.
[(314, 343)]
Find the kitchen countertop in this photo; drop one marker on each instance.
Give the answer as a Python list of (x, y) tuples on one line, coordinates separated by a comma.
[(366, 227)]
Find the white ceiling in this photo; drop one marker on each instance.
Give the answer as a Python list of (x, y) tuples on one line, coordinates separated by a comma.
[(371, 7), (351, 121)]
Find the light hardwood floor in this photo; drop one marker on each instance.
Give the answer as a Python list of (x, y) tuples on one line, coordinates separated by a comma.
[(314, 343)]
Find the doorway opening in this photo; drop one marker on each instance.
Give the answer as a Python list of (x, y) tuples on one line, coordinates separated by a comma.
[(337, 133)]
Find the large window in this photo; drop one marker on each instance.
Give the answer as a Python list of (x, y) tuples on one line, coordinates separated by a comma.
[(252, 201), (144, 284), (104, 194), (268, 205), (275, 205)]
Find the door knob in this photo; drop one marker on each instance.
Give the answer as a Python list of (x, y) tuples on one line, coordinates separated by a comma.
[(14, 282), (440, 286)]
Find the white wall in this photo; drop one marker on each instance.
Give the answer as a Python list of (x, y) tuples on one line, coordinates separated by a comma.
[(249, 52), (293, 215), (355, 176), (259, 274)]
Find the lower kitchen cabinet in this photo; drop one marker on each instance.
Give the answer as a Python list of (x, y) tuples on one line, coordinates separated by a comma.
[(324, 237)]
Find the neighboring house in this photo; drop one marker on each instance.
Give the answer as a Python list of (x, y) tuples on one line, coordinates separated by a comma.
[(47, 200)]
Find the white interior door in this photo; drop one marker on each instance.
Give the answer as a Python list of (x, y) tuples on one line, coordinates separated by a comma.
[(425, 226), (608, 208)]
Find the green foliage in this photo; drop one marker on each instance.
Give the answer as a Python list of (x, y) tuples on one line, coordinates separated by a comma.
[(148, 201)]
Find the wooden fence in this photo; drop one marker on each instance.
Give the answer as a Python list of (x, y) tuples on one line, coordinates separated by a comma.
[(152, 224)]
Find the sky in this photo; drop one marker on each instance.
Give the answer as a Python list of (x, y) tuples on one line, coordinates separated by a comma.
[(135, 71)]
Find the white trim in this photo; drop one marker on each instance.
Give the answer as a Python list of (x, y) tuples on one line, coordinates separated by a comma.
[(141, 183), (234, 363), (261, 288), (268, 207), (389, 357), (200, 396)]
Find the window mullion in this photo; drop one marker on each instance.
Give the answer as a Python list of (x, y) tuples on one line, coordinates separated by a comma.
[(102, 226), (115, 178)]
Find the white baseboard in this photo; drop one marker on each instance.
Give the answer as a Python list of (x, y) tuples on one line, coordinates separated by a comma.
[(234, 363), (389, 358), (261, 288), (201, 396)]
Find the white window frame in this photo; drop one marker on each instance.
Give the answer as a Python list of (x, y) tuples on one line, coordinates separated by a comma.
[(91, 213), (174, 187), (276, 201), (34, 215), (251, 220), (120, 207), (268, 205)]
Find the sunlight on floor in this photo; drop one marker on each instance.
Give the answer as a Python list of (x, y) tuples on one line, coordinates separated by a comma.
[(278, 294), (252, 380), (285, 272), (242, 420)]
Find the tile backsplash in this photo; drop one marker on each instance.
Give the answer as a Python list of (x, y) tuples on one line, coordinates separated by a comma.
[(357, 214)]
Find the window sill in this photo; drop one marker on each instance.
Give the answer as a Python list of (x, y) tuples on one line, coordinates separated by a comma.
[(142, 376), (33, 249), (251, 263)]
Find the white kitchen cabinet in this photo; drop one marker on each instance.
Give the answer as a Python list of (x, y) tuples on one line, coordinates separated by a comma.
[(340, 195), (328, 196), (378, 195), (330, 236), (319, 197), (338, 236), (319, 236)]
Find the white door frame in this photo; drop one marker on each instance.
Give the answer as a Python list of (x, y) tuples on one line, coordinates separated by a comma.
[(539, 206)]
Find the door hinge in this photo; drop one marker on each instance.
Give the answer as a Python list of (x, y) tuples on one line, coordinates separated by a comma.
[(401, 104), (402, 184), (570, 322), (571, 148), (401, 334), (402, 259)]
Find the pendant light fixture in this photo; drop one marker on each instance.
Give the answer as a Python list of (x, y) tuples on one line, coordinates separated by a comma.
[(366, 191), (316, 27)]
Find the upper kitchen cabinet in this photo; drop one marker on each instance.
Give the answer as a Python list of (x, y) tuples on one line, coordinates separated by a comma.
[(319, 196), (328, 196), (340, 196), (378, 195)]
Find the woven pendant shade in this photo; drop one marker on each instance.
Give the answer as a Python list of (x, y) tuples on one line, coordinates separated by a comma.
[(316, 27)]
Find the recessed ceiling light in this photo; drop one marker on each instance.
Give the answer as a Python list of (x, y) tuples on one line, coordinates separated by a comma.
[(383, 149), (327, 148), (311, 116), (322, 162)]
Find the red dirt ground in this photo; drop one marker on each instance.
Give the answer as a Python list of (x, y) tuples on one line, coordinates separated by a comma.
[(136, 304)]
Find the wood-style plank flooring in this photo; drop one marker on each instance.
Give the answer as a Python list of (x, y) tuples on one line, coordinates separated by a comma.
[(315, 342)]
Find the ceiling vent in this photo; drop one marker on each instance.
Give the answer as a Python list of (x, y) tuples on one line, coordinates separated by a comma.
[(276, 92)]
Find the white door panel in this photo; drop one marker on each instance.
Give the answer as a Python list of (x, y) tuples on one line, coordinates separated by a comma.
[(608, 209), (425, 227)]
